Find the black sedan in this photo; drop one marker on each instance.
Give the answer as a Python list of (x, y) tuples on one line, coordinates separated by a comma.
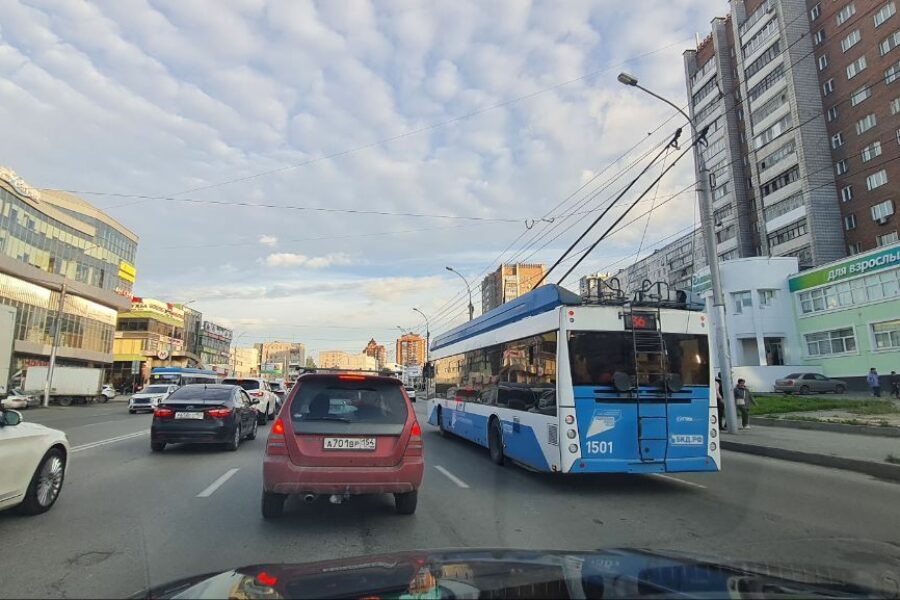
[(204, 414)]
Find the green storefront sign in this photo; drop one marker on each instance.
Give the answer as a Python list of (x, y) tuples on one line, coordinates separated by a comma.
[(854, 267), (701, 283)]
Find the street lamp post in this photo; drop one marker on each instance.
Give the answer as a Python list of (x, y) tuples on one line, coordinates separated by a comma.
[(712, 258), (468, 288)]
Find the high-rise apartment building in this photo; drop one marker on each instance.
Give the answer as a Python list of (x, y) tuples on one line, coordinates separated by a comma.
[(376, 351), (856, 47), (675, 263), (508, 282), (410, 350)]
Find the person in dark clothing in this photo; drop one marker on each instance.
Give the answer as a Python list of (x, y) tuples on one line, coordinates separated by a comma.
[(744, 400), (894, 384), (720, 402)]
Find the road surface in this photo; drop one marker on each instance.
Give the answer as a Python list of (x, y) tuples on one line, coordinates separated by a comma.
[(127, 518)]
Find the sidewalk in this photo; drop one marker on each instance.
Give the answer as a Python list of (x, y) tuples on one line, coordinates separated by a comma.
[(861, 453)]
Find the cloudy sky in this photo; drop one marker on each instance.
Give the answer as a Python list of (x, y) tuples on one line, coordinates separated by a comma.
[(306, 170)]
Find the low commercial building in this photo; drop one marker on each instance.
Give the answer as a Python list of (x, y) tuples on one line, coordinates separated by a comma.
[(51, 242), (245, 362), (848, 315), (337, 359), (149, 335)]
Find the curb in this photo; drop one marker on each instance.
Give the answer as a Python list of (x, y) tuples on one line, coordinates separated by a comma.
[(833, 427), (881, 470)]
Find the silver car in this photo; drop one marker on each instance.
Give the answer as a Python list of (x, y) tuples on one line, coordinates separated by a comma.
[(149, 397), (806, 383)]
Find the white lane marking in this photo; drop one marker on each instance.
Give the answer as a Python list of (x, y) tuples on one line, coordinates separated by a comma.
[(217, 483), (99, 443), (452, 477), (670, 478)]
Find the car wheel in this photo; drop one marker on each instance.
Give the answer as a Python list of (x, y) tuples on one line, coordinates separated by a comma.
[(804, 389), (235, 439), (252, 434), (64, 401), (440, 421), (405, 504), (103, 398), (495, 442), (157, 446), (839, 389), (131, 411), (46, 483), (272, 505)]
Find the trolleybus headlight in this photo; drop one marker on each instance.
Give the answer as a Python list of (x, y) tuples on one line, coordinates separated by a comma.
[(713, 432), (712, 446), (571, 434), (573, 448), (569, 419)]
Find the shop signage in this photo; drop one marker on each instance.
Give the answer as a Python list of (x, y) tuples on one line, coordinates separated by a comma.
[(150, 305), (127, 271), (18, 184), (701, 283), (854, 267)]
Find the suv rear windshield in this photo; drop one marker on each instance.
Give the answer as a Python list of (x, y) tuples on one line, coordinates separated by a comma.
[(332, 405), (247, 384)]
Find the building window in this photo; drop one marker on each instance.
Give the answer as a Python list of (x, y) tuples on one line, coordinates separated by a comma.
[(882, 210), (782, 207), (760, 37), (854, 248), (856, 292), (895, 106), (866, 123), (815, 12), (856, 67), (767, 82), (823, 62), (887, 239), (840, 167), (767, 297), (886, 334), (871, 151), (773, 52), (861, 94), (786, 234), (892, 73), (837, 140), (876, 180), (819, 37), (782, 180), (847, 193), (771, 133), (845, 13), (768, 108), (851, 40), (838, 341), (742, 300), (884, 13), (828, 87), (889, 43), (850, 222), (779, 155), (704, 91), (832, 113)]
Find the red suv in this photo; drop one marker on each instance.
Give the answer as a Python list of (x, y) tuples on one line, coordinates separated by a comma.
[(343, 435)]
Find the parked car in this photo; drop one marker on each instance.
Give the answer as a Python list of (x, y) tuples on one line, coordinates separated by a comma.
[(148, 398), (260, 391), (343, 435), (34, 464), (805, 383), (411, 392), (201, 413), (19, 400)]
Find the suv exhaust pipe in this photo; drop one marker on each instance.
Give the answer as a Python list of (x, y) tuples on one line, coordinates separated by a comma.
[(309, 498)]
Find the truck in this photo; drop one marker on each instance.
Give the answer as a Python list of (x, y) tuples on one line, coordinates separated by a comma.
[(70, 384)]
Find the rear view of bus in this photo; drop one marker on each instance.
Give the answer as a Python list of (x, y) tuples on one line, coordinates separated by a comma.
[(636, 397)]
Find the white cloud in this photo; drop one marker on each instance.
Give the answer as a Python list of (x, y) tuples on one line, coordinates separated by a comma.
[(268, 240), (287, 259)]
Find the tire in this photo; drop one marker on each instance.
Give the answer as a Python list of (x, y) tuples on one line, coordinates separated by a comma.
[(495, 442), (235, 442), (440, 421), (839, 389), (252, 434), (405, 504), (272, 505), (64, 401), (131, 412), (46, 483), (103, 398), (804, 389), (157, 446)]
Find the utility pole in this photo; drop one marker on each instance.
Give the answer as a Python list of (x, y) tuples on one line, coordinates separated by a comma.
[(712, 259), (56, 330)]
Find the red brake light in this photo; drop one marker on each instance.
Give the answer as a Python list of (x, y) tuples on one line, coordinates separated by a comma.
[(219, 413), (275, 445), (416, 430), (278, 427), (164, 413), (267, 580), (352, 377)]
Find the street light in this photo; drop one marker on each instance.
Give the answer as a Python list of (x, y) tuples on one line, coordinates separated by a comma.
[(712, 258), (468, 288)]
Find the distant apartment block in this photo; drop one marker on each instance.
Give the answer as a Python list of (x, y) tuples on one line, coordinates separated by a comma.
[(508, 282)]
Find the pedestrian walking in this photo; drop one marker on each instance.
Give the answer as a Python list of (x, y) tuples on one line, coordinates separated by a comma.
[(744, 400), (874, 383), (894, 384), (720, 402)]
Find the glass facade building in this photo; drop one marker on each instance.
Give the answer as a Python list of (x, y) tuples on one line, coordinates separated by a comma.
[(49, 239)]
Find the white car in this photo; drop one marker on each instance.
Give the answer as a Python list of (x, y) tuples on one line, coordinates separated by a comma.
[(108, 392), (149, 397), (18, 400), (411, 392), (34, 459), (259, 390)]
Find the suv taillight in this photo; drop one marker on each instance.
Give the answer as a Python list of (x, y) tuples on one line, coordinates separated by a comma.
[(414, 446), (275, 446)]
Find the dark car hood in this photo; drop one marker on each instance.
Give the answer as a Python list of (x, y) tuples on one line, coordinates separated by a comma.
[(615, 573)]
